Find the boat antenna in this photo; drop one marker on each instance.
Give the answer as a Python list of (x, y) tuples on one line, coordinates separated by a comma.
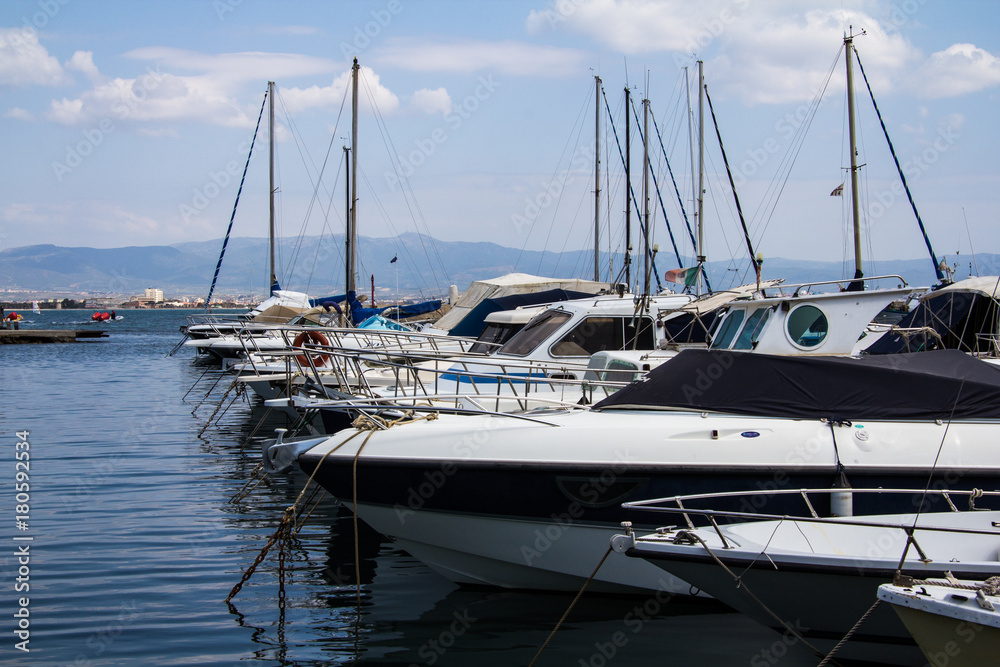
[(971, 247), (857, 284)]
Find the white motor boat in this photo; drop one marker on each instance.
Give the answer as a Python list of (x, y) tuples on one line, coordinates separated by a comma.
[(820, 576), (527, 500), (954, 622)]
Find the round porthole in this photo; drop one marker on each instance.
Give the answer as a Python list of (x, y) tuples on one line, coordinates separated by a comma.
[(806, 326)]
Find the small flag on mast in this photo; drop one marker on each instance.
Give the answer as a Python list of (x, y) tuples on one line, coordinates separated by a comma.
[(394, 258), (838, 191), (687, 276)]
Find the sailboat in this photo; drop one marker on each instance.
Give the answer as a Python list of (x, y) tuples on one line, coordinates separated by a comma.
[(217, 336)]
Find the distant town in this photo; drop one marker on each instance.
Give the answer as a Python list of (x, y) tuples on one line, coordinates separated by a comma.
[(152, 297)]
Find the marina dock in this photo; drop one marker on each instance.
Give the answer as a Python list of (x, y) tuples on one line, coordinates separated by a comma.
[(14, 336)]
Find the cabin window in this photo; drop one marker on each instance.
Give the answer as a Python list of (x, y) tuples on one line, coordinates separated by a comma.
[(616, 370), (751, 330), (531, 336), (595, 334), (728, 330), (807, 326), (494, 335)]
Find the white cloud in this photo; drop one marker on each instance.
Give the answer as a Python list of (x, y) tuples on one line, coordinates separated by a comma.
[(83, 62), (211, 95), (432, 101), (19, 114), (153, 96), (775, 52), (638, 26), (228, 71), (462, 55), (958, 70), (370, 90), (25, 62)]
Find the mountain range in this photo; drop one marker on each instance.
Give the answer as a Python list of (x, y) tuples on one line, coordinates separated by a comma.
[(425, 266)]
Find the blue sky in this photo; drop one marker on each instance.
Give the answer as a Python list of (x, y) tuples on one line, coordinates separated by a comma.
[(127, 123)]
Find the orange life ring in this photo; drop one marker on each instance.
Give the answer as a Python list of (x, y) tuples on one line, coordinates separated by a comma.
[(318, 339)]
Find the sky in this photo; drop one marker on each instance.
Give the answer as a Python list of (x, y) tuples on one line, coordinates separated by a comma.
[(126, 123)]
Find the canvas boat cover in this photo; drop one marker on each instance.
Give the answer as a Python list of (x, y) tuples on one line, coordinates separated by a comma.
[(941, 384), (512, 283), (962, 316)]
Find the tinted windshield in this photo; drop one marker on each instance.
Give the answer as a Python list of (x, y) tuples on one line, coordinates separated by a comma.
[(527, 339), (595, 334), (493, 336), (728, 329)]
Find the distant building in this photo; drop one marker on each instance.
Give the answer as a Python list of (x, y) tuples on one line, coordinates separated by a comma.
[(153, 295)]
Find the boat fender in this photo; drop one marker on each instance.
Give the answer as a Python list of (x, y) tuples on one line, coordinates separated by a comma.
[(318, 339)]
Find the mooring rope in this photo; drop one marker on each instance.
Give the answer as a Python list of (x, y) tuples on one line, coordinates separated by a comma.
[(864, 617), (742, 585), (570, 608)]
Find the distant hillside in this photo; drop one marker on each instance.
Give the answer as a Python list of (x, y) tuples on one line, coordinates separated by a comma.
[(424, 265)]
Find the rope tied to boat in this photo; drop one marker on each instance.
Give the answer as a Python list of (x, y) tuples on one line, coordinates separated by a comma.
[(570, 607), (740, 584), (850, 633), (990, 586), (286, 526)]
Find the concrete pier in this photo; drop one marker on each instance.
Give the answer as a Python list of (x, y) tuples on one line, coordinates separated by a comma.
[(14, 336)]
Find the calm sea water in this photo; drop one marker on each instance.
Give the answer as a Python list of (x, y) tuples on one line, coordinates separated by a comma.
[(135, 543)]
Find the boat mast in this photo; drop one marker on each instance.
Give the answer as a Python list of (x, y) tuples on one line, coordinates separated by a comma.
[(347, 214), (645, 196), (597, 178), (352, 218), (270, 135), (628, 191), (857, 285), (700, 218)]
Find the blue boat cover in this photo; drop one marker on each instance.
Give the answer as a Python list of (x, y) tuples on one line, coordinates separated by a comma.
[(940, 384), (381, 323), (359, 313)]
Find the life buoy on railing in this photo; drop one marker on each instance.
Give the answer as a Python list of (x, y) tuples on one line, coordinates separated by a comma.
[(318, 339)]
